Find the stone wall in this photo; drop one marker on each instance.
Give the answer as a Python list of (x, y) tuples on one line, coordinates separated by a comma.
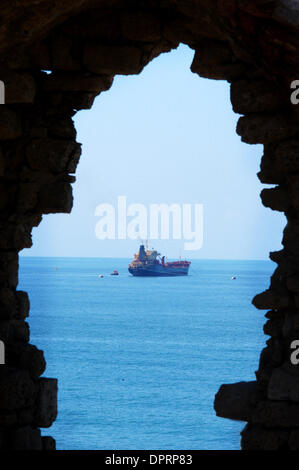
[(55, 58)]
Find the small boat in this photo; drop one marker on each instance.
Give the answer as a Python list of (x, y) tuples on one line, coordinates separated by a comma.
[(115, 273), (233, 278), (101, 275)]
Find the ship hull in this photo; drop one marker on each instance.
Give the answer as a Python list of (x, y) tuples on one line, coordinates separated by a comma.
[(158, 271)]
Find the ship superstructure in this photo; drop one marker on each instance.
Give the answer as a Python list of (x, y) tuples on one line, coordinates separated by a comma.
[(147, 263)]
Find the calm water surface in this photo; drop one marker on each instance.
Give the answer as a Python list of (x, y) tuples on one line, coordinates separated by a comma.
[(139, 360)]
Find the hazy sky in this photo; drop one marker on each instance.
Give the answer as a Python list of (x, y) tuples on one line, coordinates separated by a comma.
[(165, 136)]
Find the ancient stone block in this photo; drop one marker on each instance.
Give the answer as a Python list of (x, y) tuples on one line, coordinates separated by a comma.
[(55, 155), (10, 124), (17, 390), (4, 197), (271, 168), (62, 53), (63, 128), (140, 26), (22, 236), (23, 305), (278, 278), (276, 198), (254, 96), (26, 356), (270, 299), (6, 236), (40, 56), (46, 404), (8, 420), (25, 438), (293, 283), (273, 327), (263, 376), (27, 197), (287, 155), (25, 416), (214, 59), (112, 60), (78, 100), (284, 383), (276, 256), (290, 238), (227, 8), (77, 82), (48, 443), (275, 414), (5, 330), (7, 303), (154, 50), (55, 197), (265, 128), (293, 190), (21, 330), (272, 355), (9, 266), (294, 440), (19, 87), (254, 437), (95, 24), (235, 401), (260, 8), (291, 324)]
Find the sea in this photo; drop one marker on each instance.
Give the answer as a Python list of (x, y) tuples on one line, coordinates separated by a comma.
[(139, 360)]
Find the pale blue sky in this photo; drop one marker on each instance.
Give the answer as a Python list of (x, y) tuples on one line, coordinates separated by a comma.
[(165, 135)]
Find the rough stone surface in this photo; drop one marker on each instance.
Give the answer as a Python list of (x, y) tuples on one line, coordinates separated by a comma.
[(26, 438), (19, 88), (17, 390), (254, 96), (83, 44), (46, 410), (235, 401), (215, 60), (112, 60), (268, 128), (284, 384), (294, 440), (48, 443), (270, 299), (276, 198), (272, 414), (10, 124), (259, 438)]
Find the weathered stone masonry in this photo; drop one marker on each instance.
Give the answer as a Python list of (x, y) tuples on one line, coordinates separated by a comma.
[(55, 57)]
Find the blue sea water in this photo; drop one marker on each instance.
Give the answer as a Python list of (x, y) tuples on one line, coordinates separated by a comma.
[(139, 360)]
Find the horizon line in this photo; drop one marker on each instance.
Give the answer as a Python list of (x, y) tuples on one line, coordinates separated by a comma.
[(125, 257)]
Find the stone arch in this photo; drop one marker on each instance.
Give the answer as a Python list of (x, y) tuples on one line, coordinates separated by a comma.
[(61, 58)]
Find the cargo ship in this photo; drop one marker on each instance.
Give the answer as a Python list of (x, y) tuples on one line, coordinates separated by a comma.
[(145, 263)]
